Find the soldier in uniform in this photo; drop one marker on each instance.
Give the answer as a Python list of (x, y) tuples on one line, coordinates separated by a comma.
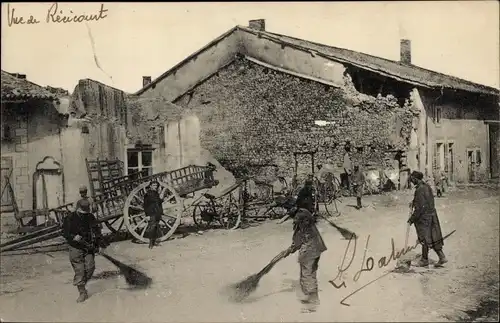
[(83, 234), (306, 196), (346, 176), (154, 210), (358, 182), (426, 221), (308, 240)]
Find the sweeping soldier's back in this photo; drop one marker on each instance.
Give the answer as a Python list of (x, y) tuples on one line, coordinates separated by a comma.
[(308, 240)]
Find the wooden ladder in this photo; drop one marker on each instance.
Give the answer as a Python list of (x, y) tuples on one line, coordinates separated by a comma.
[(100, 171)]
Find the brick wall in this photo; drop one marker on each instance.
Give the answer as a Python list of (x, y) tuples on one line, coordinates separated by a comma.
[(251, 114)]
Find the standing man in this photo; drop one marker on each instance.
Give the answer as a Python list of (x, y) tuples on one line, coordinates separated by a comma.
[(346, 176), (307, 239), (154, 210), (358, 182), (426, 221), (83, 234)]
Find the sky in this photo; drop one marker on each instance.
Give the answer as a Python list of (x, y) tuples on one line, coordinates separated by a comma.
[(146, 39)]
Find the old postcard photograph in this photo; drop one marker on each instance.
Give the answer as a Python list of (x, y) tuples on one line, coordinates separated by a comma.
[(250, 161)]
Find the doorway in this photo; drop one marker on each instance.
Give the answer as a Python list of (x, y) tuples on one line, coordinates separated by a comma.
[(493, 135), (48, 187), (473, 164), (450, 162)]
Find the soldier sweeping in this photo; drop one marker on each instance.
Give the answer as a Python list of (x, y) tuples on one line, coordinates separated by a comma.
[(154, 210), (83, 234), (426, 221), (307, 239), (358, 183)]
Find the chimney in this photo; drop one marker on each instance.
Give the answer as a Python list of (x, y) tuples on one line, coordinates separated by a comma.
[(146, 80), (257, 24), (19, 76), (405, 51)]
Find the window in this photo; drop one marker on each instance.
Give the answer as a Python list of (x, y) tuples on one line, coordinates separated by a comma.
[(439, 157), (140, 161), (437, 114), (6, 133)]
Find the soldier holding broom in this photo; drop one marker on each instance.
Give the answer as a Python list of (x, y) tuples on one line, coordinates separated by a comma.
[(83, 234), (426, 221), (308, 241)]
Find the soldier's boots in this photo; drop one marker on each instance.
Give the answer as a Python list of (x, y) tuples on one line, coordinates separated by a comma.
[(83, 294), (358, 200), (310, 303), (423, 263), (442, 259)]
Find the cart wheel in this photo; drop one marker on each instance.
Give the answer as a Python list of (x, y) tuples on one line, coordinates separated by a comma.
[(116, 225), (203, 216), (137, 221), (230, 216)]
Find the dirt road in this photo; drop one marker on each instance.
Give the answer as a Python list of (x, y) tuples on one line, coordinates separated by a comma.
[(190, 273)]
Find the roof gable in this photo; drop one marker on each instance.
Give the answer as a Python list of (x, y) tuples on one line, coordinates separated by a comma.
[(404, 73)]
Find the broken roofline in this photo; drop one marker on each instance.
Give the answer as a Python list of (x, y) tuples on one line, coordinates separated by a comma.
[(476, 88), (13, 91)]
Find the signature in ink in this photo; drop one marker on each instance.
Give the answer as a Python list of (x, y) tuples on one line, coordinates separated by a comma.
[(368, 264), (54, 15)]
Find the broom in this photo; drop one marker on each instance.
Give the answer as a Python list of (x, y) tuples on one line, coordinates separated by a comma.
[(347, 234), (403, 264), (242, 289), (132, 276)]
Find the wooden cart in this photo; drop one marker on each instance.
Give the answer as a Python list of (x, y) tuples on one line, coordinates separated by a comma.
[(119, 197)]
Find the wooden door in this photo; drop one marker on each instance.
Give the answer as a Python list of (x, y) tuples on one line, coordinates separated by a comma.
[(7, 170), (473, 164)]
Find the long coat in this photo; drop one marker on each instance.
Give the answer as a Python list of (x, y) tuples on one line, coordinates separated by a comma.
[(425, 217), (154, 210), (306, 237)]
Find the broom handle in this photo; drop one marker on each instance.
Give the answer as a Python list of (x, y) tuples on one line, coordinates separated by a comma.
[(271, 264), (408, 226), (407, 235)]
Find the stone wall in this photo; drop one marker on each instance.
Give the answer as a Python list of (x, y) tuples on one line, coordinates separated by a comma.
[(251, 114), (106, 109), (15, 156)]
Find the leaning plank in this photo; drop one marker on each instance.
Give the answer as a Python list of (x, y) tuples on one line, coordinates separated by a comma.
[(32, 235), (44, 237)]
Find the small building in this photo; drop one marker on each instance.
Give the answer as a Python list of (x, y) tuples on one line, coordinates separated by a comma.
[(260, 96), (33, 119)]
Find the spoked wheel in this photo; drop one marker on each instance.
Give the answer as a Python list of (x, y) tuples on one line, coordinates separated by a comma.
[(136, 219), (116, 225), (230, 216), (203, 215)]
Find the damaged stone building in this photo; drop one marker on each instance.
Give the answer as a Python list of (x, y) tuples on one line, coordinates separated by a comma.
[(147, 135), (260, 96), (35, 144)]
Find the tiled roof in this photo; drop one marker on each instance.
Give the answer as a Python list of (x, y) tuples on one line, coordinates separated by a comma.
[(14, 88), (404, 72)]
